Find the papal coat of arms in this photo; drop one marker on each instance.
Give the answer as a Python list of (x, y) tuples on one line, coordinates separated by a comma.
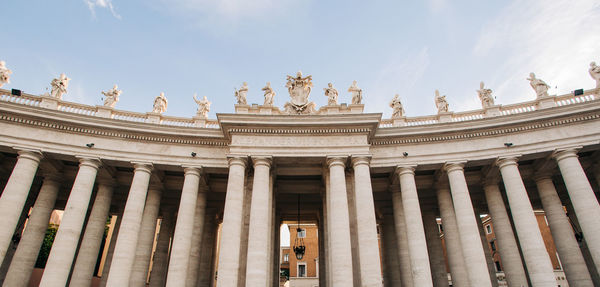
[(299, 88)]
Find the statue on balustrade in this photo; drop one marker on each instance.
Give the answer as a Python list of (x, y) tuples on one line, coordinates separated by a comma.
[(299, 88), (396, 105), (440, 102), (269, 95), (594, 72), (160, 104), (539, 86), (59, 86), (332, 95), (111, 97), (485, 96), (203, 107), (356, 93), (241, 94), (4, 74)]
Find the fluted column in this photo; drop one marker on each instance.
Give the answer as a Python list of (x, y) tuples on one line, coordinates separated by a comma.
[(27, 251), (456, 261), (143, 252), (92, 238), (158, 275), (417, 246), (258, 238), (65, 243), (339, 230), (231, 231), (532, 245), (15, 194), (401, 239), (392, 264), (470, 240), (505, 238), (570, 255), (583, 199), (124, 254), (197, 240), (436, 253)]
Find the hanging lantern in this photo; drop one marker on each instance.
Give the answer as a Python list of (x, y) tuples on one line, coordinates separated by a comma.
[(299, 247)]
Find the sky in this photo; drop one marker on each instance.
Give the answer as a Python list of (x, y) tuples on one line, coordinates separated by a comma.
[(209, 47)]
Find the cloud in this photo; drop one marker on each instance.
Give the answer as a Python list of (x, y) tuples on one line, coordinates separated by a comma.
[(105, 4), (555, 39)]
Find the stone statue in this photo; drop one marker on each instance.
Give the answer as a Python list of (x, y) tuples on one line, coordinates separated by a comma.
[(269, 95), (485, 96), (160, 104), (4, 74), (396, 105), (440, 102), (203, 107), (59, 86), (111, 97), (539, 86), (241, 94), (332, 95), (356, 93), (299, 89), (594, 72)]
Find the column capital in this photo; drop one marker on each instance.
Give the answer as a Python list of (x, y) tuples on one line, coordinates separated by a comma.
[(262, 160), (492, 180), (142, 166), (542, 176), (92, 162), (561, 154), (241, 160), (506, 161), (336, 160), (32, 154), (195, 170), (453, 166), (106, 181), (358, 159), (405, 169)]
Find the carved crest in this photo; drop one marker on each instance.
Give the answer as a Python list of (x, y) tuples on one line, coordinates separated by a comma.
[(299, 88)]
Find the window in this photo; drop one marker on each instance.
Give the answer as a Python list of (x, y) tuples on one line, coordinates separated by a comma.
[(302, 233), (488, 229), (493, 245), (498, 268), (301, 269), (286, 257)]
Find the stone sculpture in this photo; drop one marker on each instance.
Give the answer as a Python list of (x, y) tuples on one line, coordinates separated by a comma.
[(4, 74), (485, 96), (594, 72), (59, 86), (396, 105), (299, 88), (332, 95), (203, 107), (356, 93), (269, 94), (539, 86), (160, 104), (111, 97), (240, 94), (440, 102)]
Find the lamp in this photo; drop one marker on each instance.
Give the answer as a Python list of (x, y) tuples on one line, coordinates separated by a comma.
[(299, 247)]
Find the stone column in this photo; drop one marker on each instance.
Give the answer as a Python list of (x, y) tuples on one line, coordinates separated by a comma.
[(392, 265), (15, 194), (366, 224), (532, 245), (259, 231), (230, 237), (27, 251), (570, 255), (111, 249), (65, 243), (182, 239), (401, 239), (158, 275), (124, 254), (583, 199), (417, 246), (208, 241), (456, 261), (436, 253), (197, 240), (339, 230), (143, 252), (92, 238), (505, 238), (486, 250), (470, 240)]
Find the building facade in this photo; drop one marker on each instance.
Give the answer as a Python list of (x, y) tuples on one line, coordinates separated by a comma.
[(220, 189)]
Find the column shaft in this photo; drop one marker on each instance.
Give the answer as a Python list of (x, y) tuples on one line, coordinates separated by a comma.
[(124, 254), (436, 253), (456, 262), (27, 251), (158, 275), (486, 250), (467, 226), (392, 264), (401, 237), (143, 253), (111, 249), (208, 241), (532, 245), (65, 243), (92, 238), (197, 240), (15, 194)]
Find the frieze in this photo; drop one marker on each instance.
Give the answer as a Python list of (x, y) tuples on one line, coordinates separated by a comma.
[(296, 141)]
